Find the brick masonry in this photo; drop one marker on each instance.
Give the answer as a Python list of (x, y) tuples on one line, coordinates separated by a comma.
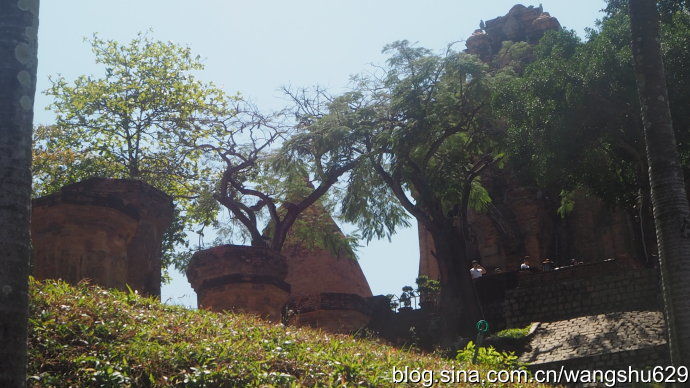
[(516, 299), (107, 230), (598, 316), (328, 289), (240, 278)]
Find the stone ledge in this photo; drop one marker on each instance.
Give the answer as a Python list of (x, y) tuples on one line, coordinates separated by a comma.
[(244, 278), (330, 301)]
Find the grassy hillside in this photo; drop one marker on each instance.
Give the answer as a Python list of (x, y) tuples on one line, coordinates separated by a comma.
[(87, 336)]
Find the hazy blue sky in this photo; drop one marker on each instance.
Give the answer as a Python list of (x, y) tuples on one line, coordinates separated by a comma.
[(255, 47)]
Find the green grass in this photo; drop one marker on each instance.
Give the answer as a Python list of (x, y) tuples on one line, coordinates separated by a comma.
[(88, 336), (514, 333)]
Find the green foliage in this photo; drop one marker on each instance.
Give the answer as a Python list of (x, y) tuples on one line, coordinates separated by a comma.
[(514, 333), (426, 284), (427, 133), (272, 169), (489, 357), (315, 228), (87, 336), (573, 114), (134, 121), (368, 204), (134, 117), (514, 55), (567, 203)]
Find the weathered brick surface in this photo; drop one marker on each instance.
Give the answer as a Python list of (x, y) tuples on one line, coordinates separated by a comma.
[(263, 299), (328, 289), (522, 222), (334, 312), (315, 270), (107, 230), (242, 278), (75, 242)]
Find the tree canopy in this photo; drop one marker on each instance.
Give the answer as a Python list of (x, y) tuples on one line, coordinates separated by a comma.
[(573, 113), (424, 127), (134, 121)]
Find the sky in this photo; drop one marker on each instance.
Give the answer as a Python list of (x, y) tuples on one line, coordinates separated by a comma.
[(257, 47)]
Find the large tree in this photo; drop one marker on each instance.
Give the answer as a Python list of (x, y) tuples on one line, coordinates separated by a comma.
[(668, 194), (132, 121), (425, 127), (18, 45)]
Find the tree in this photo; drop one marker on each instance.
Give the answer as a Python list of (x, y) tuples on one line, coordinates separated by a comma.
[(270, 170), (573, 115), (133, 122), (427, 133), (18, 60), (571, 121), (669, 198)]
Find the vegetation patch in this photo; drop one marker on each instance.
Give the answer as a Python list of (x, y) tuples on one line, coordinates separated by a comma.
[(87, 336), (512, 341), (516, 333)]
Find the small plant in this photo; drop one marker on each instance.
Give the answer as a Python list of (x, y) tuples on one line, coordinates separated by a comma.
[(490, 357), (428, 290), (426, 284), (406, 296), (514, 333), (393, 302)]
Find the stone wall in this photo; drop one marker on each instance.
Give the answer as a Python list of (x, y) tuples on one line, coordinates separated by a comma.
[(518, 298), (334, 312), (107, 230), (637, 359)]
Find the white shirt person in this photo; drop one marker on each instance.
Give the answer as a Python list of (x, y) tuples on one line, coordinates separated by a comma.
[(477, 270)]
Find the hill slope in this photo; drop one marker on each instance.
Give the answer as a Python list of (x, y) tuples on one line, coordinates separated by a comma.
[(87, 336)]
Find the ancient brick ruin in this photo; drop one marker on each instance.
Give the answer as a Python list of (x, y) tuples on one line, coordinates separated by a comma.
[(106, 230), (328, 289), (520, 24), (604, 313), (240, 278), (324, 289), (522, 220), (110, 231)]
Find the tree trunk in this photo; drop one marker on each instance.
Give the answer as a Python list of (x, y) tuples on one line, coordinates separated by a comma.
[(669, 199), (459, 307), (645, 216), (18, 44)]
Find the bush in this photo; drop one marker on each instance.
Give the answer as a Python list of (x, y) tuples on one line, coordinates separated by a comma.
[(489, 357)]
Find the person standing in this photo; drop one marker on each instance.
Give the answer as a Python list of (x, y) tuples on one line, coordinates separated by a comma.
[(477, 270)]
